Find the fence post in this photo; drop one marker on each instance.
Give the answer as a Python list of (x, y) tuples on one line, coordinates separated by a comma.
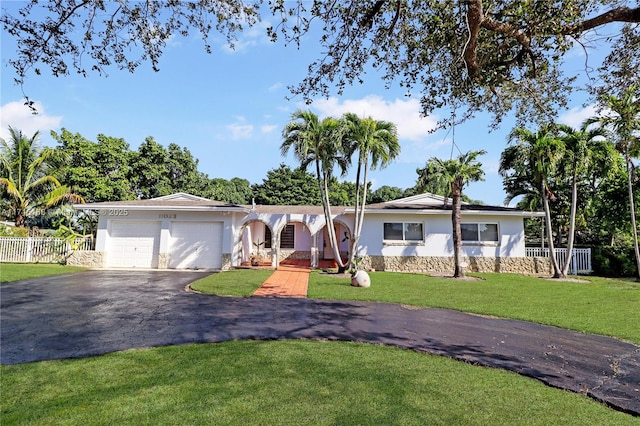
[(29, 248)]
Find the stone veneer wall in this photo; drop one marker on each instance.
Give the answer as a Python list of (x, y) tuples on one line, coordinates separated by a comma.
[(226, 261), (294, 254), (87, 258), (163, 260), (445, 265)]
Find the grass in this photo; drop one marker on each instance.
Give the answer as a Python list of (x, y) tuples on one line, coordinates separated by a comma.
[(239, 282), (21, 271), (284, 382)]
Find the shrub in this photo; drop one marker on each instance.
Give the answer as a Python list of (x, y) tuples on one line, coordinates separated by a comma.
[(611, 261)]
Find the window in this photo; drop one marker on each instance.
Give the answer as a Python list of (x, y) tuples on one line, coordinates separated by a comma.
[(486, 232), (398, 231), (287, 237), (267, 237)]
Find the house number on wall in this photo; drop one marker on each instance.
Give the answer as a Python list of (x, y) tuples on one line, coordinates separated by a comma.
[(167, 215)]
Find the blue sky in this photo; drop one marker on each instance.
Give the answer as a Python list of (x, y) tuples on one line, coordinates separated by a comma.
[(228, 108)]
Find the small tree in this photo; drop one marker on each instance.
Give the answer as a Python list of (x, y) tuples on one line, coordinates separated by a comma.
[(457, 172), (624, 124), (26, 178), (319, 142), (526, 165)]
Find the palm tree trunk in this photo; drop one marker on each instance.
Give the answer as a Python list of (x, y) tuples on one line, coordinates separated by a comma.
[(355, 237), (457, 233), (547, 215), (326, 204), (572, 226), (633, 217)]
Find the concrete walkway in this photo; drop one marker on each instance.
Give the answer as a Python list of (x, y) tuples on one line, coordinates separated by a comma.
[(96, 312)]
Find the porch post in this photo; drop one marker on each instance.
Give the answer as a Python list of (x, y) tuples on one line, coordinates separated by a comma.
[(314, 250)]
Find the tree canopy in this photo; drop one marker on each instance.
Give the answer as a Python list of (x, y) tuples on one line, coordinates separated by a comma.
[(472, 56)]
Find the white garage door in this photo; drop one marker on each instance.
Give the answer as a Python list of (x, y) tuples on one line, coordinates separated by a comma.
[(196, 245), (133, 244)]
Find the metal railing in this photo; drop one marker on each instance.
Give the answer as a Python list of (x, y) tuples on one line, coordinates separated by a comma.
[(40, 249), (580, 261)]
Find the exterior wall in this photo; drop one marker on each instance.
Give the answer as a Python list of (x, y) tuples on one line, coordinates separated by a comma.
[(438, 240), (445, 265)]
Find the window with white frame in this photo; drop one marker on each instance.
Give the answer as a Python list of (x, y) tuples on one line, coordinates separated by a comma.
[(479, 232), (403, 231)]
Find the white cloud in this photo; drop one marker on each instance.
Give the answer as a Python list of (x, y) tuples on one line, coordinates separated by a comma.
[(577, 115), (20, 117), (274, 87), (405, 114), (268, 128), (240, 131)]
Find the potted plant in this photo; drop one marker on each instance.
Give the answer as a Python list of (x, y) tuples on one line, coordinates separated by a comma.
[(256, 257)]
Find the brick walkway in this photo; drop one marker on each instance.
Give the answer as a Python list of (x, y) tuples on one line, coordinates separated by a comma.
[(286, 281)]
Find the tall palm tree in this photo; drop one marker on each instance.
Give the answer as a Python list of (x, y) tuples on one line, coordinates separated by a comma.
[(376, 144), (584, 149), (526, 166), (319, 142), (28, 186), (457, 172), (624, 124)]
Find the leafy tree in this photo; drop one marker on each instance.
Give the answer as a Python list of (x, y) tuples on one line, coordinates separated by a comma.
[(318, 142), (495, 56), (386, 193), (286, 186), (149, 173), (624, 123), (526, 166), (457, 172), (235, 191), (182, 170), (374, 143), (98, 171), (29, 185), (584, 150)]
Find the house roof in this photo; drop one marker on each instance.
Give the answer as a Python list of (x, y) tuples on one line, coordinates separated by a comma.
[(179, 201), (421, 204), (435, 204)]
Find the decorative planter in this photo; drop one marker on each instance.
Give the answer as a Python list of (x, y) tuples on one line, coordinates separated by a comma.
[(361, 279)]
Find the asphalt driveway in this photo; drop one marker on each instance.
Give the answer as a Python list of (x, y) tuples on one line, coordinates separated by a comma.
[(96, 312)]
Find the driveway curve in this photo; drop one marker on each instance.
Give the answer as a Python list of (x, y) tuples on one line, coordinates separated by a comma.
[(96, 312)]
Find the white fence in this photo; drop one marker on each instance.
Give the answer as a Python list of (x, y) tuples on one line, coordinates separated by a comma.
[(580, 261), (39, 249)]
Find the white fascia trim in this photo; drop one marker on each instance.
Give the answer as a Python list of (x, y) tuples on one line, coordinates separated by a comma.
[(160, 208), (448, 212)]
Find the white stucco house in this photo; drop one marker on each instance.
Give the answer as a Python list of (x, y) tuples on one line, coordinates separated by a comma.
[(183, 231)]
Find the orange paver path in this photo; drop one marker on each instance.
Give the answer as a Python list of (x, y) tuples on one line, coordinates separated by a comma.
[(286, 281)]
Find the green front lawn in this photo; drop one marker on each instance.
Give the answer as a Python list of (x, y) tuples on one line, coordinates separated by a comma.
[(284, 383), (21, 271), (238, 282)]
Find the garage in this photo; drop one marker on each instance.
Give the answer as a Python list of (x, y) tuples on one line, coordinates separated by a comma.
[(133, 244), (196, 245)]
